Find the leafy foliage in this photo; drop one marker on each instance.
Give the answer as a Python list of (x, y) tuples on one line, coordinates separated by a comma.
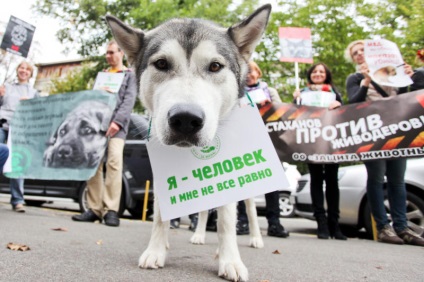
[(334, 24)]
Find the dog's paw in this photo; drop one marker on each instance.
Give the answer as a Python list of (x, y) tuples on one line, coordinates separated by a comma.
[(152, 259), (198, 239), (256, 242), (233, 271)]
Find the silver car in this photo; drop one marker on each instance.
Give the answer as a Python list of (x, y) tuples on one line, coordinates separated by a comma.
[(286, 208), (354, 209)]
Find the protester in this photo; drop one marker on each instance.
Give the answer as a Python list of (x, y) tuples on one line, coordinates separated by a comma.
[(104, 193), (320, 79), (361, 88), (261, 89), (10, 95)]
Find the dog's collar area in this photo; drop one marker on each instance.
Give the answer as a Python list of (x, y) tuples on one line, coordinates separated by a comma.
[(250, 99)]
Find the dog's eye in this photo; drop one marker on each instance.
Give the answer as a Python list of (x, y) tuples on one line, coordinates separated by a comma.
[(215, 67), (86, 130), (161, 64)]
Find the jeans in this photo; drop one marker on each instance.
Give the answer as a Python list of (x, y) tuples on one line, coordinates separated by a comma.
[(319, 174), (394, 170), (16, 184)]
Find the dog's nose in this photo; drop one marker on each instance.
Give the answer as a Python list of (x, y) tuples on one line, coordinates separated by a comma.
[(186, 118), (65, 151)]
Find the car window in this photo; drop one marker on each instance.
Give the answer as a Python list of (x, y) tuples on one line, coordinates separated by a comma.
[(138, 127)]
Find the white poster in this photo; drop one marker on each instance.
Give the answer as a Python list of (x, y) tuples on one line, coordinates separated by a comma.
[(109, 81), (240, 163), (317, 98), (385, 63)]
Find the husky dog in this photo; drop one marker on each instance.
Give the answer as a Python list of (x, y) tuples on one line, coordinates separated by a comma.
[(191, 74)]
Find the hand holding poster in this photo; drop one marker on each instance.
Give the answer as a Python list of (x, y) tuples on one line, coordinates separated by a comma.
[(18, 37), (385, 63), (189, 180)]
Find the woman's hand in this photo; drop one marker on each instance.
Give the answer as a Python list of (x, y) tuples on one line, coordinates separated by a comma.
[(333, 105), (364, 70), (296, 93), (2, 90), (408, 70)]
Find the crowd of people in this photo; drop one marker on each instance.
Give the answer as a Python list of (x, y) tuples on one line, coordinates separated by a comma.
[(104, 189)]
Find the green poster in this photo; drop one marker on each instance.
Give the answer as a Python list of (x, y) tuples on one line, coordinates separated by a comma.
[(60, 137)]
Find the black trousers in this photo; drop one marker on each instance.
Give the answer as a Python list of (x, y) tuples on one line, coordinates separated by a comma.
[(319, 174), (272, 209)]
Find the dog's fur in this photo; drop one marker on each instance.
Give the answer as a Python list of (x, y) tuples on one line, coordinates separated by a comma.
[(79, 141), (190, 75)]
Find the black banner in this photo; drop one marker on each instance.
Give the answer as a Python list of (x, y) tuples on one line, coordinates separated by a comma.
[(18, 37), (384, 129)]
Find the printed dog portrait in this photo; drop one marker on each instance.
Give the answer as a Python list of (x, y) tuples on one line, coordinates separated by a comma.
[(79, 141), (384, 74)]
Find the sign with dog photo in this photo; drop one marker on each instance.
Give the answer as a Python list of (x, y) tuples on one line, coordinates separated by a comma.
[(60, 137), (239, 163), (385, 63)]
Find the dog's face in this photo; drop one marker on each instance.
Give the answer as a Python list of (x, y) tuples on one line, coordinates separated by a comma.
[(190, 72), (79, 141)]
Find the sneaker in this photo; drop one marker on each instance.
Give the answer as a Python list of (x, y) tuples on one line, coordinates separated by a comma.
[(242, 228), (19, 208), (388, 235), (111, 218), (277, 230), (87, 216), (193, 223), (411, 238), (175, 223)]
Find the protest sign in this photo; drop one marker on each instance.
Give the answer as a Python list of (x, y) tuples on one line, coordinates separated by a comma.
[(382, 129), (109, 81), (385, 63), (18, 37), (295, 44), (317, 98), (60, 137), (240, 163)]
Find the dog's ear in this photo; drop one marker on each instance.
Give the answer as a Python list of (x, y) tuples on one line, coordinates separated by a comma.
[(128, 38), (247, 33)]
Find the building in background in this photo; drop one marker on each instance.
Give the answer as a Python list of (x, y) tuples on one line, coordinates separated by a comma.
[(49, 71)]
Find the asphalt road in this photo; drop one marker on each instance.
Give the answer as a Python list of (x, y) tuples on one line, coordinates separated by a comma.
[(95, 252)]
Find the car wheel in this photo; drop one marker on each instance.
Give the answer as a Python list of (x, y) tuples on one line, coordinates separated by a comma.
[(83, 202), (137, 211), (414, 213), (286, 208)]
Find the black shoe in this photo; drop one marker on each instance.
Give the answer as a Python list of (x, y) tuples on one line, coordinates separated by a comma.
[(111, 218), (334, 230), (242, 228), (193, 223), (277, 230), (322, 232), (87, 216), (175, 223)]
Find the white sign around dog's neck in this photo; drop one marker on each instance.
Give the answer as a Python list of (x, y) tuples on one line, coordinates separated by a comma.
[(240, 163)]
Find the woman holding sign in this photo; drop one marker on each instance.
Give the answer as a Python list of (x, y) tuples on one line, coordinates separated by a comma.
[(321, 92), (360, 88), (10, 95)]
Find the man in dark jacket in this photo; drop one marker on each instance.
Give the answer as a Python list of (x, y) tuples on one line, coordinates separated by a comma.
[(104, 192)]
